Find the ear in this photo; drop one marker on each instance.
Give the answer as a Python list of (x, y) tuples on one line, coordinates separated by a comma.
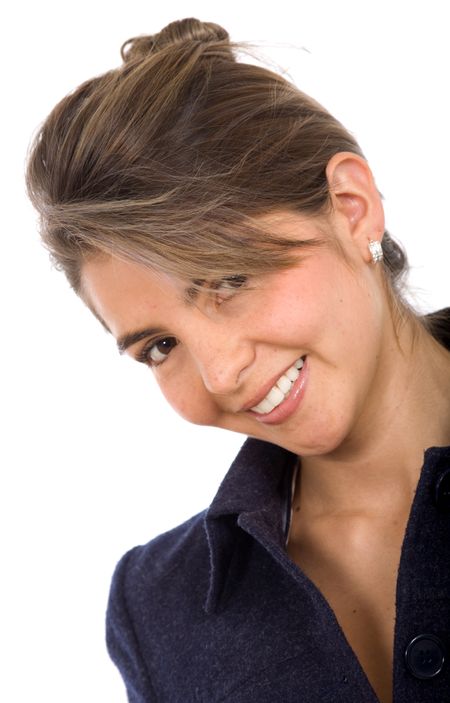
[(355, 199)]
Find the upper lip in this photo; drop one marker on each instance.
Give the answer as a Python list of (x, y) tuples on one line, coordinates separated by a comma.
[(266, 388)]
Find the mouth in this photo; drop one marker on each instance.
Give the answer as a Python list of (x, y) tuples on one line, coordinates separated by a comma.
[(280, 390), (284, 397)]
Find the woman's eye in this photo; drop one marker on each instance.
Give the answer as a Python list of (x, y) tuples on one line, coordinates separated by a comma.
[(227, 287), (157, 352)]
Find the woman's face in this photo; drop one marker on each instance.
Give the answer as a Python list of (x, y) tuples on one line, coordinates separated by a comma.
[(232, 359)]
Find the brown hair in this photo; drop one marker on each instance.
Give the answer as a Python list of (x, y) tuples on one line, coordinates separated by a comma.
[(168, 159)]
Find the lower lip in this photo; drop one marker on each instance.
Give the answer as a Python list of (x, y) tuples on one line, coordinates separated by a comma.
[(290, 404)]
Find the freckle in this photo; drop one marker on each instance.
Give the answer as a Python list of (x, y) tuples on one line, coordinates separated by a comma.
[(297, 508), (354, 611)]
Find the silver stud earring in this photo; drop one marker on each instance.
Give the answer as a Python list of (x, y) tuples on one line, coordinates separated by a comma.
[(375, 250)]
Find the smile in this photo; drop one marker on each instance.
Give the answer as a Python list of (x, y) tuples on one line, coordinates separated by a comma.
[(280, 391)]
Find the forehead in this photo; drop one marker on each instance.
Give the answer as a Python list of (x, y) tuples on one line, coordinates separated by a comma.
[(123, 293)]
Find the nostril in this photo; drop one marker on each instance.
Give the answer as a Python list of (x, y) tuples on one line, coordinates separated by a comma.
[(221, 376)]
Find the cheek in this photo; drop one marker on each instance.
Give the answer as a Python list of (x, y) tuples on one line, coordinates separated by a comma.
[(187, 395), (299, 304)]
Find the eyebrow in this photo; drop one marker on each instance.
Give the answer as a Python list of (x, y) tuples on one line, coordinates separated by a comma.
[(127, 340), (130, 338)]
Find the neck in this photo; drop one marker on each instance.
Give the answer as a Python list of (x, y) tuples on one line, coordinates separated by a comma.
[(377, 468)]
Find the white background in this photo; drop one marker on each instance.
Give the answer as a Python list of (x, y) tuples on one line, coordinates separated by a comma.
[(92, 462)]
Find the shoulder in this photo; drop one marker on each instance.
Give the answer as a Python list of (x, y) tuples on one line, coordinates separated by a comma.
[(181, 551), (153, 585)]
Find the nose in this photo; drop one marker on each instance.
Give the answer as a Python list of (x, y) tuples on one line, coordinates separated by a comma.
[(223, 359)]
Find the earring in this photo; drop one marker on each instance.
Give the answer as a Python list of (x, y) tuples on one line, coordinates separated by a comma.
[(375, 250)]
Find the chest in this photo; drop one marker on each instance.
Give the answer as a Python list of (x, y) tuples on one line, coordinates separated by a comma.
[(355, 567)]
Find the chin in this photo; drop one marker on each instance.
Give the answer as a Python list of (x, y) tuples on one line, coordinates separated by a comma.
[(324, 438)]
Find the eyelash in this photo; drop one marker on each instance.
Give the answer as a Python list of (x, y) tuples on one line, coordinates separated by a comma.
[(229, 283)]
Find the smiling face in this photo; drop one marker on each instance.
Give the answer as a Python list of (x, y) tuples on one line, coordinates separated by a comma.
[(298, 357), (293, 357)]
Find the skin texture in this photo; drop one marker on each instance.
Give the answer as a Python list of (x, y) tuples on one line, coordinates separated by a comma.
[(374, 397)]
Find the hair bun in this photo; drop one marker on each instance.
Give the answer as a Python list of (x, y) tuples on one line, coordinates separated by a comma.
[(178, 32)]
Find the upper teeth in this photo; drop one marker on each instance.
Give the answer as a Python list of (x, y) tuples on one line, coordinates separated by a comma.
[(280, 390)]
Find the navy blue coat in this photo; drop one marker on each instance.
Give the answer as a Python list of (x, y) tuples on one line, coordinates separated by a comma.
[(215, 610)]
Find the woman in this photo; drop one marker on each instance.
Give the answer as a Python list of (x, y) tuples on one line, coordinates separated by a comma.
[(228, 232)]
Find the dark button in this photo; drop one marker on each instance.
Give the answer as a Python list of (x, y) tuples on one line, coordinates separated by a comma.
[(442, 492), (425, 656)]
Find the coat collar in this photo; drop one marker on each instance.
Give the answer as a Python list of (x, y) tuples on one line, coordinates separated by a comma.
[(255, 487)]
